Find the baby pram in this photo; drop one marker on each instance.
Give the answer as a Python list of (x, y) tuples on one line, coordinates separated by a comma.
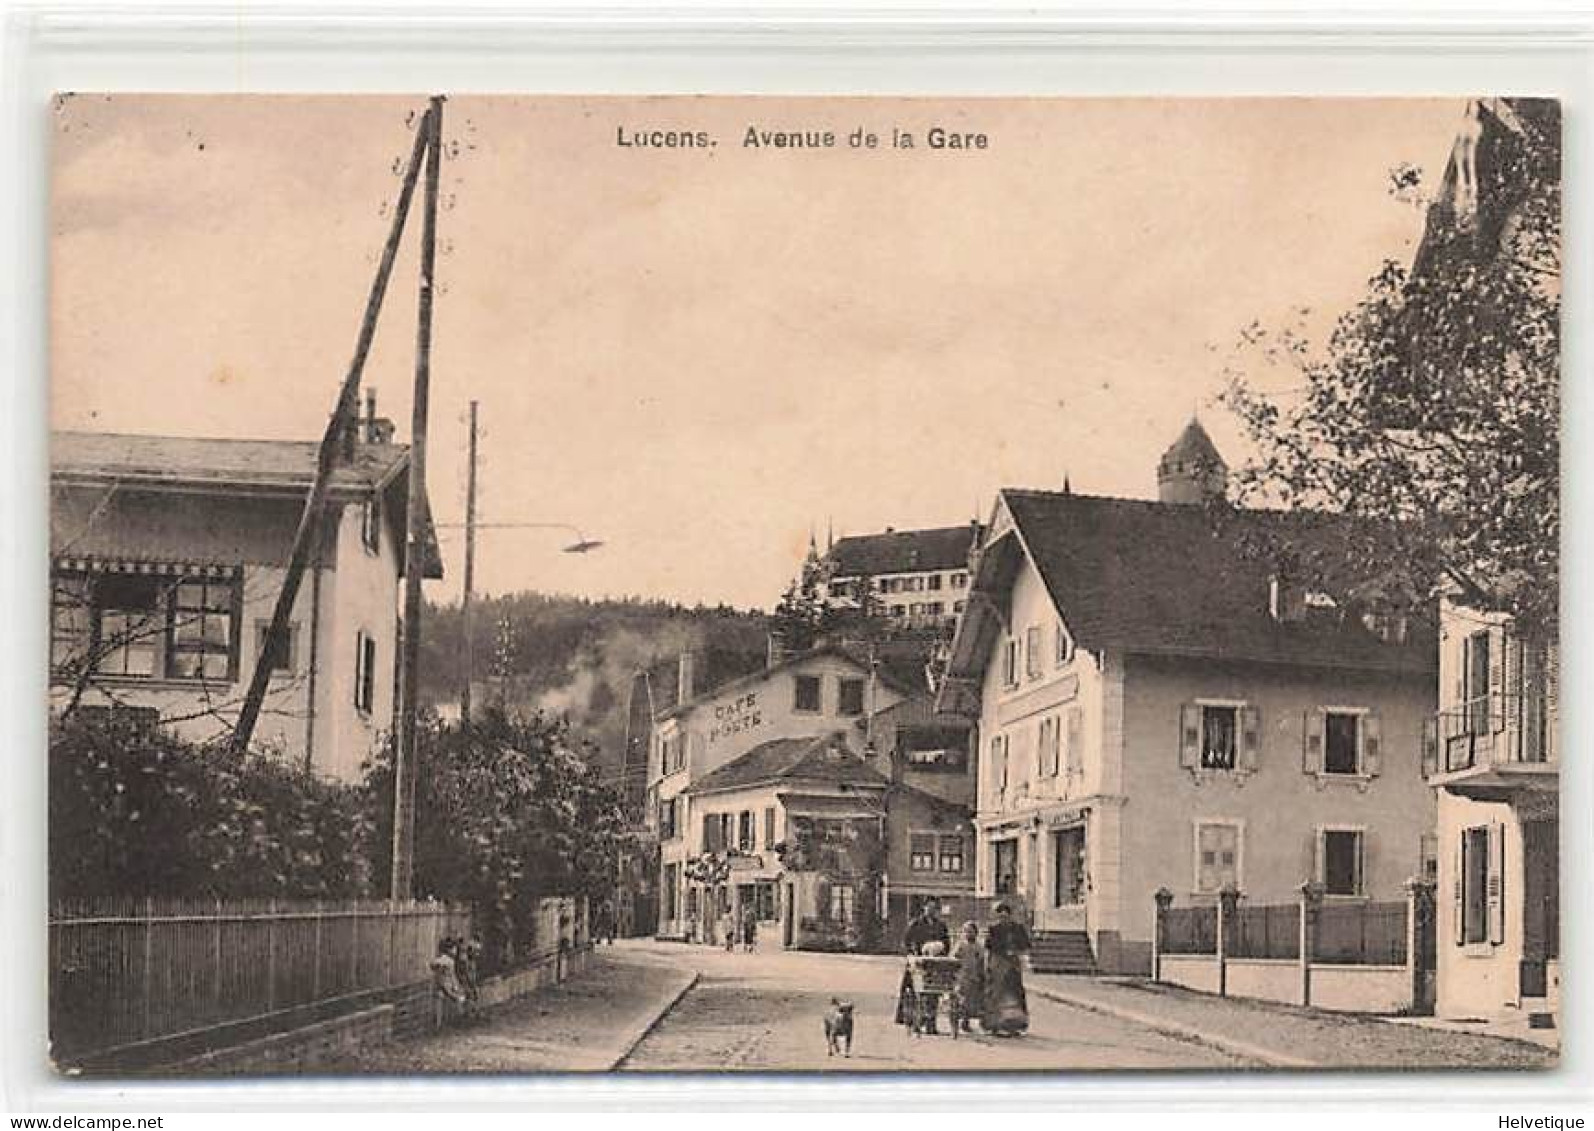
[(932, 980)]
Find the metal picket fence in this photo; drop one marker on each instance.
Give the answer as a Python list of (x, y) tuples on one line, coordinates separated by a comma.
[(124, 971)]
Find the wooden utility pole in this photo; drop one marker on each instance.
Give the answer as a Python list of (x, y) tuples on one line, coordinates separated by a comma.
[(415, 540), (466, 609), (307, 536)]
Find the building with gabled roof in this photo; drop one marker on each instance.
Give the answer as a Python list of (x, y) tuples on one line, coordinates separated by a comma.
[(773, 712), (167, 555), (1180, 694)]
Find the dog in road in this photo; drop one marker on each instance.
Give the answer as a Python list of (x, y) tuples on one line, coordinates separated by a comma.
[(838, 1028)]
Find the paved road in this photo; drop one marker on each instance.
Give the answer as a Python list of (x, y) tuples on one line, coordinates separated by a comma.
[(764, 1012)]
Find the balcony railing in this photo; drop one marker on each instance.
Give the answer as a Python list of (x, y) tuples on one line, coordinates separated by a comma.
[(1493, 730)]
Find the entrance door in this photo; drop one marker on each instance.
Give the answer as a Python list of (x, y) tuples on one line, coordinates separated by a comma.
[(1541, 904), (1004, 866), (1068, 879)]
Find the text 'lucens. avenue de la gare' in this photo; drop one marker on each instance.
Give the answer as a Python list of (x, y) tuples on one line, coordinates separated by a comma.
[(936, 137)]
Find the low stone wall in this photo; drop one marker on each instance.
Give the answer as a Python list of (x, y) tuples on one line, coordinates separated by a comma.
[(1361, 989), (297, 1049), (1192, 971), (1271, 979), (410, 1012)]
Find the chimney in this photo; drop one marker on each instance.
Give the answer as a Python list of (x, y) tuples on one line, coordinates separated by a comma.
[(1286, 602), (378, 429), (686, 677)]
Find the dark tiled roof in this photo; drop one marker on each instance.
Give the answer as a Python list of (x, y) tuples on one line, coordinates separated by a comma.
[(1185, 580), (904, 551), (825, 758), (285, 467), (1193, 446), (222, 462)]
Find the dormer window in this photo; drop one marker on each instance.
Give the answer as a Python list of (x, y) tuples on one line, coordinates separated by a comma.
[(1065, 645)]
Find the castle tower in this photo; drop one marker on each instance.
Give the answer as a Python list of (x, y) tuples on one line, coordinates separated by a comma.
[(1191, 471)]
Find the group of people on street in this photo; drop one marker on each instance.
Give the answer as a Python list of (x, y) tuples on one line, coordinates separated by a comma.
[(728, 930), (744, 932), (456, 978), (990, 978)]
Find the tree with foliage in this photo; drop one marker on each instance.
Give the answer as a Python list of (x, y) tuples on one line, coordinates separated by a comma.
[(1433, 408), (507, 811), (135, 810)]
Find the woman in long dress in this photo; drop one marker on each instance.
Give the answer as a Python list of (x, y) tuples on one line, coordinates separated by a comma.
[(1006, 943)]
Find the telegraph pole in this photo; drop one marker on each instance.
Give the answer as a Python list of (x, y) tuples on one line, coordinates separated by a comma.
[(415, 544), (307, 536), (470, 571)]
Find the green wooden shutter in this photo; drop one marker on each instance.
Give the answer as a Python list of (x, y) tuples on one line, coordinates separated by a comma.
[(1496, 883), (1372, 744), (1312, 746), (1190, 736), (1076, 739), (1250, 737), (1497, 685), (1460, 890)]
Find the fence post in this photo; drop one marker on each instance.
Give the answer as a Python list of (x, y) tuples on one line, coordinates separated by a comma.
[(271, 955), (146, 1021), (1419, 921), (216, 935), (315, 977), (355, 985), (1311, 901), (1164, 899), (1228, 904)]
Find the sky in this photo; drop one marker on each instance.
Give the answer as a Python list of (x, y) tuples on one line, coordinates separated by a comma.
[(701, 355)]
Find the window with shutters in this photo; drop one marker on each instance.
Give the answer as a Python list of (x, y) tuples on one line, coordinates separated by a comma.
[(1340, 860), (1472, 886), (713, 832), (667, 808), (850, 697), (1074, 747), (1220, 737), (1343, 742), (1065, 645), (1010, 662), (999, 762), (1477, 660), (1032, 651), (769, 827), (1049, 747), (951, 854), (841, 903), (744, 831), (1217, 855), (921, 852), (805, 697)]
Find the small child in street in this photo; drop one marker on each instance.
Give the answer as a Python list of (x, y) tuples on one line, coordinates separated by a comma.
[(448, 997)]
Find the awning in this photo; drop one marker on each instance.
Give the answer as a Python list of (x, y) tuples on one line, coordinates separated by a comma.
[(69, 563)]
